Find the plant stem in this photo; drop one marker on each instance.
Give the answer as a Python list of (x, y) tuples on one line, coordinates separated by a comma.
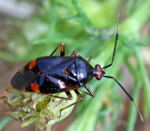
[(4, 122), (133, 112), (145, 79)]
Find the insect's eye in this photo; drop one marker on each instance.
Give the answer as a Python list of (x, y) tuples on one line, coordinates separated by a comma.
[(98, 72), (98, 68)]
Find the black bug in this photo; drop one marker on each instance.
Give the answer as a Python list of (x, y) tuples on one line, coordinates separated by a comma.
[(55, 74)]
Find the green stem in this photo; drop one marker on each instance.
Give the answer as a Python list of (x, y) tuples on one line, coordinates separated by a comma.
[(4, 122), (145, 79), (137, 85), (133, 112)]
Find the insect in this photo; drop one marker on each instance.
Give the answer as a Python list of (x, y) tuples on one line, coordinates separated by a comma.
[(55, 74)]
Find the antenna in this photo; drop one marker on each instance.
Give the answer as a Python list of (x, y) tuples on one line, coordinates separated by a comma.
[(129, 96), (115, 46)]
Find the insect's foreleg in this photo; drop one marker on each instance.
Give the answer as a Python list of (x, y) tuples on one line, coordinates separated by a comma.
[(88, 93)]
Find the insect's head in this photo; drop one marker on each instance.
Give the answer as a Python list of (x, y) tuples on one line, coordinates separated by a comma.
[(98, 72)]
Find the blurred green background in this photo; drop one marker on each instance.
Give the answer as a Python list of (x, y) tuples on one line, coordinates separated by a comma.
[(32, 28)]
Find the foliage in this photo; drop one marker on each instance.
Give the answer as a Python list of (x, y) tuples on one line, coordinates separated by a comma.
[(43, 110)]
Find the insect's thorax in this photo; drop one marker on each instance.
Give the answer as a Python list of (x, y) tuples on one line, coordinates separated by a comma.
[(82, 70)]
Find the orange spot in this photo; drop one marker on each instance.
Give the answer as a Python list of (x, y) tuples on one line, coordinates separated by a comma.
[(32, 64), (35, 87)]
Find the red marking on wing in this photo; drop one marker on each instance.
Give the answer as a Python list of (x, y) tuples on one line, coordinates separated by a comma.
[(35, 87), (32, 64)]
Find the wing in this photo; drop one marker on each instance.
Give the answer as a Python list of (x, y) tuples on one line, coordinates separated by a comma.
[(49, 63)]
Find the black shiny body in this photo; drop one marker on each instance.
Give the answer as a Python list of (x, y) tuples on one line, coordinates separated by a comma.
[(55, 74)]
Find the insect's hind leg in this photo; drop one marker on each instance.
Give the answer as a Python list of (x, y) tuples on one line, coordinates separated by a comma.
[(78, 100), (62, 50), (69, 96)]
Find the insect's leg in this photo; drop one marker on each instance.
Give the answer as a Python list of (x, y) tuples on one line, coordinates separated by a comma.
[(78, 100), (68, 93), (78, 94), (90, 94), (89, 59), (114, 51), (62, 50), (54, 51), (89, 91), (74, 53)]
